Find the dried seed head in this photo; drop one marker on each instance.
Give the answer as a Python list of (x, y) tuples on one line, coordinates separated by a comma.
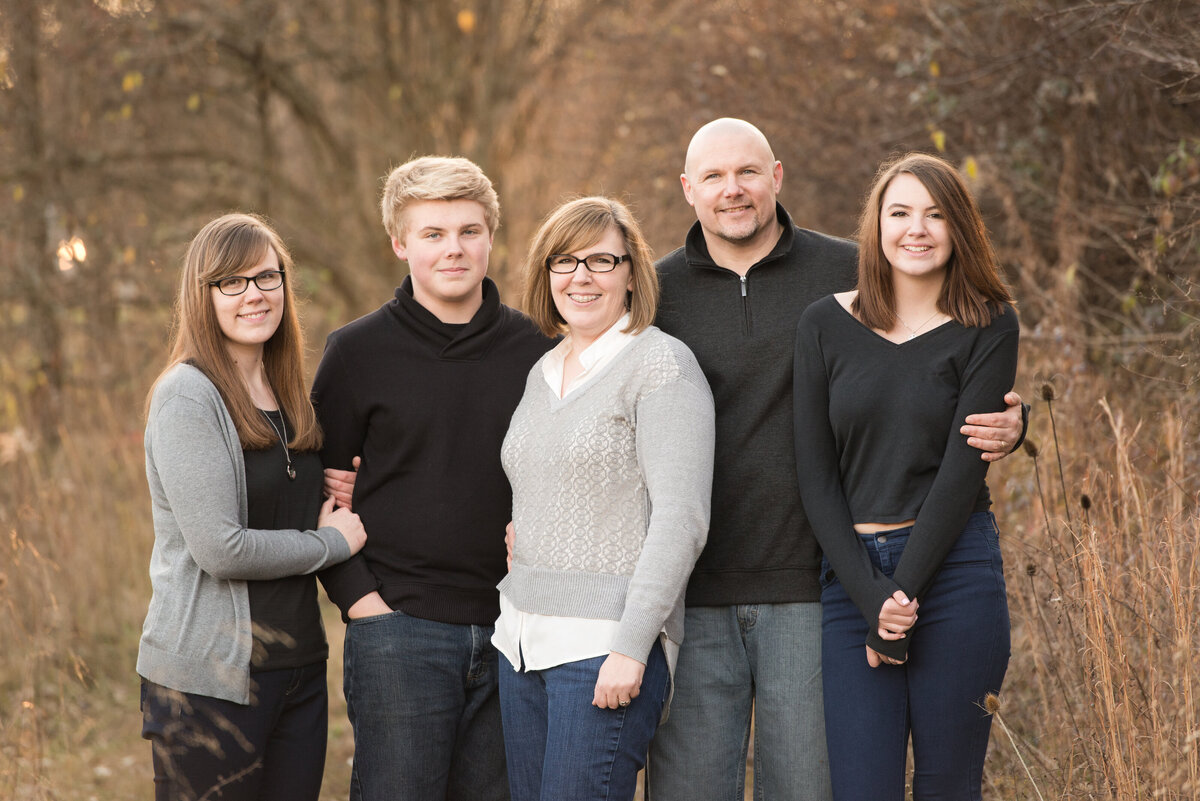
[(1031, 569), (1048, 391), (991, 702), (1030, 447), (1085, 501)]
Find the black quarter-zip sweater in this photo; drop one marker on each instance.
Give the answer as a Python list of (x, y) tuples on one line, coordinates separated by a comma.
[(761, 548), (427, 405)]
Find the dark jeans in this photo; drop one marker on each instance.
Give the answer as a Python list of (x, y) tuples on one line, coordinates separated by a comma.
[(959, 654), (560, 747), (270, 750), (422, 699)]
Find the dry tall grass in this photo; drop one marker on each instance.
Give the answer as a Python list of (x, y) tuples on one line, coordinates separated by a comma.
[(1102, 698)]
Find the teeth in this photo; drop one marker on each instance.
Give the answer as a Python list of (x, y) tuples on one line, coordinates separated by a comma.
[(583, 298)]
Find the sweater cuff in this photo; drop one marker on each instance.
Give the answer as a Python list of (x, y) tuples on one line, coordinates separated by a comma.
[(636, 635), (896, 649)]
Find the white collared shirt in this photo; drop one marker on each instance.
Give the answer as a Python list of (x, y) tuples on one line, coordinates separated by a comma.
[(594, 357)]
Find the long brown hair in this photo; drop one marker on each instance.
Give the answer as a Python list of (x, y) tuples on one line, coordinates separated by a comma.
[(579, 224), (973, 292), (230, 245)]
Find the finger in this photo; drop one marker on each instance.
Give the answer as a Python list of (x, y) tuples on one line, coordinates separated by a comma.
[(983, 434), (356, 461), (327, 505), (986, 420)]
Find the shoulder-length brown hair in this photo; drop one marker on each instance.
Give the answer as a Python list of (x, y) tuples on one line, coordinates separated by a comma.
[(578, 224), (231, 245), (973, 292)]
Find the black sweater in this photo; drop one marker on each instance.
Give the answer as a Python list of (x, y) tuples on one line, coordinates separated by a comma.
[(760, 547), (427, 406), (877, 442)]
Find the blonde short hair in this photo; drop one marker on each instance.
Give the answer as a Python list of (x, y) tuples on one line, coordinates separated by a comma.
[(436, 178), (578, 224)]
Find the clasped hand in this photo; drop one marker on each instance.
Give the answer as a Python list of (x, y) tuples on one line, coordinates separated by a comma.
[(897, 615)]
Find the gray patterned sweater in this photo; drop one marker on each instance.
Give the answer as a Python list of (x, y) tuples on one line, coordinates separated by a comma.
[(611, 489)]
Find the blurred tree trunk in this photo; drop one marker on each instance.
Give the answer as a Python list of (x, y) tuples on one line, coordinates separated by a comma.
[(36, 274)]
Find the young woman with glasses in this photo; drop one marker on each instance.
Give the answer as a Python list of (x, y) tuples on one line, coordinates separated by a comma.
[(233, 651), (610, 456)]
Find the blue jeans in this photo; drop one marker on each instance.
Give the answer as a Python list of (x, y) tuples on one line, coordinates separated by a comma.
[(959, 653), (272, 749), (422, 699), (765, 657), (560, 747)]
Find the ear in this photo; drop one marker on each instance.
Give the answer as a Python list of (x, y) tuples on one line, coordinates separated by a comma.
[(777, 173), (687, 188), (399, 249)]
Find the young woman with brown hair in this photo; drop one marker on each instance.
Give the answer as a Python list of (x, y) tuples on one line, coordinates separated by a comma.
[(884, 377), (233, 652)]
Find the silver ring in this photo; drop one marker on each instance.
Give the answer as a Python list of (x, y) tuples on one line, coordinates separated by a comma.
[(622, 703)]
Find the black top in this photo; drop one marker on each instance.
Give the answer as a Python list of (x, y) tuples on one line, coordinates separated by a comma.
[(427, 406), (760, 546), (286, 620), (877, 441)]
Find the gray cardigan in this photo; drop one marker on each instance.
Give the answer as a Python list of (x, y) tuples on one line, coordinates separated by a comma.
[(196, 637)]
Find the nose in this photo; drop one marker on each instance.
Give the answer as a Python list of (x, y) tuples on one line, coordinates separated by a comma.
[(453, 245), (916, 224), (252, 293), (732, 187), (582, 274)]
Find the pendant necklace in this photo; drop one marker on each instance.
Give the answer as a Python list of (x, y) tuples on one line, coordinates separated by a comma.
[(912, 332), (291, 471)]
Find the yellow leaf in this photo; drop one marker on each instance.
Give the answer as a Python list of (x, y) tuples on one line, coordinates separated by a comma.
[(129, 255), (939, 139), (935, 69), (131, 81), (18, 193), (292, 28), (126, 111), (972, 168), (193, 102), (466, 21), (395, 92)]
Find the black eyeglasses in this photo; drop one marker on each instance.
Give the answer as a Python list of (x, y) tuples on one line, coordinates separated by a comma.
[(564, 263), (237, 284)]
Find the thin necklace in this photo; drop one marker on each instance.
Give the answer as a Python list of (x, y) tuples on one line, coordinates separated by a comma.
[(291, 471), (912, 332)]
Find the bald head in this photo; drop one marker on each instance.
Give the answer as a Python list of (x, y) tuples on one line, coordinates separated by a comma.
[(731, 178), (724, 135)]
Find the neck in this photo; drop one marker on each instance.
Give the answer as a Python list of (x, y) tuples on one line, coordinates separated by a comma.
[(248, 361), (741, 256), (916, 295), (453, 313)]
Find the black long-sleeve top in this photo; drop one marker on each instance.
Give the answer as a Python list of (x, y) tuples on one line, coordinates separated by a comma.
[(877, 441), (426, 405)]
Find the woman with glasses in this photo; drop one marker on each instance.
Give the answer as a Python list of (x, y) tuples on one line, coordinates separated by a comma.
[(233, 651), (610, 456), (914, 614)]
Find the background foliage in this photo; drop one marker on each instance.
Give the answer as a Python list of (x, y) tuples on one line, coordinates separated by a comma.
[(126, 124)]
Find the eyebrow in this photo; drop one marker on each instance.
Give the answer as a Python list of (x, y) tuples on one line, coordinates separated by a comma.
[(906, 206)]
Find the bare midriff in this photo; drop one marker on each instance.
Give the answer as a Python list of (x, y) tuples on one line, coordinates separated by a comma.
[(875, 528)]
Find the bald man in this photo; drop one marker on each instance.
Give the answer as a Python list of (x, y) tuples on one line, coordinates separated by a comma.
[(734, 293)]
